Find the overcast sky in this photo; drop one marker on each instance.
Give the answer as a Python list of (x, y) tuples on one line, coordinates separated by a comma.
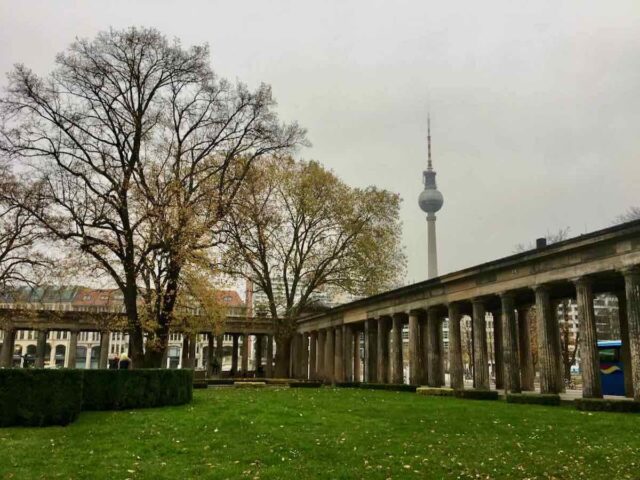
[(535, 106)]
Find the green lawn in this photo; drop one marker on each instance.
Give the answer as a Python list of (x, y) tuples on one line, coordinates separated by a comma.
[(328, 433)]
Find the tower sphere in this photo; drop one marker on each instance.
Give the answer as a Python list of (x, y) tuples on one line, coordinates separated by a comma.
[(430, 200)]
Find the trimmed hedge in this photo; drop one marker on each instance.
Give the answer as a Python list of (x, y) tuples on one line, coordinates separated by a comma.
[(348, 384), (435, 392), (393, 387), (220, 381), (473, 394), (534, 398), (607, 405), (124, 389), (38, 397), (307, 384)]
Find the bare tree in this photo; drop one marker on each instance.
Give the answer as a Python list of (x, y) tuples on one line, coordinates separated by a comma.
[(630, 215), (20, 258), (552, 237), (296, 230), (128, 133)]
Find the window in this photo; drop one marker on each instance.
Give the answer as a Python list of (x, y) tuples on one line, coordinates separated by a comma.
[(227, 299)]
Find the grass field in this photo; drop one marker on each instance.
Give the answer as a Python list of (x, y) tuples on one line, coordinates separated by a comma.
[(328, 433)]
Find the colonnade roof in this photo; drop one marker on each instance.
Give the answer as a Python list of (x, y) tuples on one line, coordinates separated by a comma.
[(603, 252)]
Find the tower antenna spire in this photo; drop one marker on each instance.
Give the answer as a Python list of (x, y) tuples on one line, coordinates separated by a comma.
[(429, 164)]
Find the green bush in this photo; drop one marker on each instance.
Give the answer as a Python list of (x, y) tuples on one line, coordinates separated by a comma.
[(607, 405), (348, 384), (38, 397), (534, 398), (389, 386), (436, 392), (305, 384), (123, 389), (220, 381), (473, 394)]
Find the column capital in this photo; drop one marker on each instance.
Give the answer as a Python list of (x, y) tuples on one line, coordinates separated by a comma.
[(583, 280), (630, 270), (507, 295), (541, 287), (399, 314), (417, 311)]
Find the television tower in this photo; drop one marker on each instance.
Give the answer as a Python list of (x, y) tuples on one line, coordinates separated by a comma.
[(430, 201)]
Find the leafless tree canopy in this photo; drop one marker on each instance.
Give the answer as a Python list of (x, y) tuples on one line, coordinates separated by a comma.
[(138, 149), (20, 259), (630, 215)]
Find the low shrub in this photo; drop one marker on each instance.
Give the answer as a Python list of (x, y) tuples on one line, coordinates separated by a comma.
[(220, 381), (389, 386), (607, 405), (348, 384), (534, 398), (435, 392), (124, 389), (473, 394), (277, 381), (38, 397), (305, 384)]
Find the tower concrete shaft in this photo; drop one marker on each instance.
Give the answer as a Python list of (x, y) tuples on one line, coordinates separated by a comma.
[(432, 252)]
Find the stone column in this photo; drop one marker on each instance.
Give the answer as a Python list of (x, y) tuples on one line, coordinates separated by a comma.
[(41, 347), (480, 354), (347, 355), (510, 351), (234, 355), (322, 336), (632, 289), (219, 353), (424, 347), (73, 348), (589, 358), (313, 345), (304, 356), (269, 360), (498, 364), (415, 357), (210, 353), (527, 372), (383, 350), (397, 374), (257, 355), (456, 370), (625, 352), (434, 363), (104, 349), (338, 369), (356, 356), (370, 345), (329, 355), (8, 347), (245, 354), (547, 341)]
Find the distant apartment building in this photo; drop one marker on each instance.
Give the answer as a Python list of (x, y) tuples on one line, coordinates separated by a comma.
[(88, 348)]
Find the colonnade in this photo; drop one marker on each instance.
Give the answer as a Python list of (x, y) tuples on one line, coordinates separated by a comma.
[(332, 353), (262, 344)]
